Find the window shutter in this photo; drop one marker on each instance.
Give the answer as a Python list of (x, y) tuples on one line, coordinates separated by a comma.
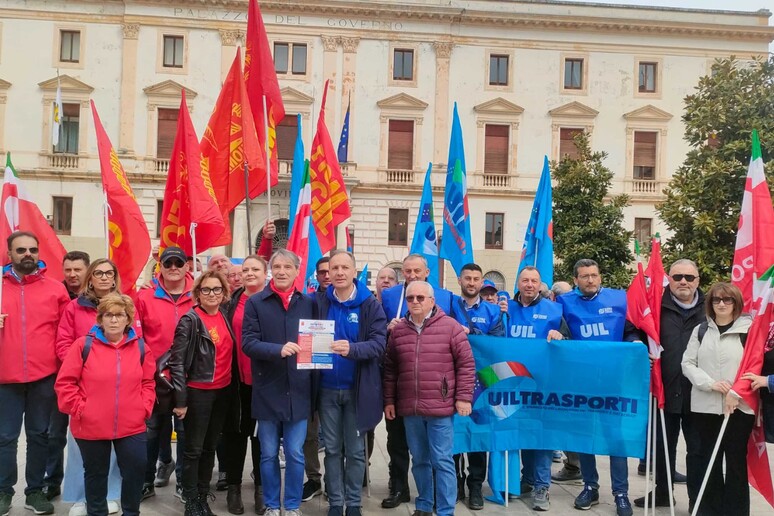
[(167, 128), (567, 144), (496, 149), (645, 149), (400, 153), (287, 131)]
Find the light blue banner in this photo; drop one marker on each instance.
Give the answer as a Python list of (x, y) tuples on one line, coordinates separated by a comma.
[(588, 397)]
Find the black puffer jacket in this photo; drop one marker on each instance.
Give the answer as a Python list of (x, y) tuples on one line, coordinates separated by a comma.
[(676, 327)]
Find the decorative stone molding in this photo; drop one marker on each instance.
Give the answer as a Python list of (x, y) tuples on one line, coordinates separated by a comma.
[(68, 84), (443, 49), (649, 113), (402, 101), (229, 38), (498, 106), (131, 30), (349, 44), (4, 85), (330, 43), (159, 94)]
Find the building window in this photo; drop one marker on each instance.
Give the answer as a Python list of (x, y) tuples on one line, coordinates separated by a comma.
[(287, 132), (647, 73), (68, 129), (159, 211), (643, 230), (173, 51), (400, 145), (497, 278), (567, 147), (69, 46), (403, 65), (493, 238), (165, 137), (63, 215), (498, 70), (281, 235), (573, 74), (496, 149), (397, 232), (290, 57), (645, 155)]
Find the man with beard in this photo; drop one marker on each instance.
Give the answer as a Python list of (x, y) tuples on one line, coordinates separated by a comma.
[(31, 308)]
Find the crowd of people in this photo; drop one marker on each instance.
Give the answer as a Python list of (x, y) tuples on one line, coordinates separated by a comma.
[(213, 356)]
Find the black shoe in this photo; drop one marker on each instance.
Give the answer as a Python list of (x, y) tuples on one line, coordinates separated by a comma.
[(260, 506), (661, 501), (148, 490), (311, 489), (203, 500), (641, 467), (421, 513), (193, 508), (353, 511), (222, 483), (234, 500), (396, 498), (52, 492), (460, 491), (680, 478), (475, 500)]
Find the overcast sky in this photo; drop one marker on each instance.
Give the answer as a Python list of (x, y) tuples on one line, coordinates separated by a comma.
[(736, 5)]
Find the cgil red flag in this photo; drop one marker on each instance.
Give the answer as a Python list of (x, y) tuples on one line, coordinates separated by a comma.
[(657, 281), (261, 81), (129, 242), (230, 140), (330, 204), (20, 213), (189, 197)]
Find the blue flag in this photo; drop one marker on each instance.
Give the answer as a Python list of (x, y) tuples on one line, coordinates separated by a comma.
[(538, 249), (456, 245), (425, 241), (363, 278), (341, 153)]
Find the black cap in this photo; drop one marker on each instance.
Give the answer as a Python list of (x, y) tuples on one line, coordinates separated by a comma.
[(172, 252)]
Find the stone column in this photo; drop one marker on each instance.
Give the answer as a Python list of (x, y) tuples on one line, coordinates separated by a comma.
[(4, 85), (348, 84), (128, 90), (442, 109), (330, 71), (228, 40)]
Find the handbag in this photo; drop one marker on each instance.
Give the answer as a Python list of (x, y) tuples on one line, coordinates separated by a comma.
[(163, 376)]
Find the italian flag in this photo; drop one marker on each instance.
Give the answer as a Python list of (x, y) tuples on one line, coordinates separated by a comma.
[(20, 213), (298, 242)]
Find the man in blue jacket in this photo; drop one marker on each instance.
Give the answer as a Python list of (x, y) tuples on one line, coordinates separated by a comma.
[(351, 392), (282, 393)]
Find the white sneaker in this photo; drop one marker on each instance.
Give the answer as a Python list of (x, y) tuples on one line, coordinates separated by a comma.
[(112, 507), (79, 509)]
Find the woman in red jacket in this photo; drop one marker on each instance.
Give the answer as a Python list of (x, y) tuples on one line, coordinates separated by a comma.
[(106, 385)]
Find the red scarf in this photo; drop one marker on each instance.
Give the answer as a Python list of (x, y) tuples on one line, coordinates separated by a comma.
[(284, 295)]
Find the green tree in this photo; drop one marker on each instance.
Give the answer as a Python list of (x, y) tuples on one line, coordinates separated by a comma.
[(587, 222), (704, 196)]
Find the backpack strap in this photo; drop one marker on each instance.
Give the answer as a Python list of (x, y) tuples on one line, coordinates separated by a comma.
[(87, 347), (141, 344), (702, 330)]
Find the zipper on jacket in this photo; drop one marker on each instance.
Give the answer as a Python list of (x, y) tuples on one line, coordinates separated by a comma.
[(25, 365), (118, 385), (416, 377)]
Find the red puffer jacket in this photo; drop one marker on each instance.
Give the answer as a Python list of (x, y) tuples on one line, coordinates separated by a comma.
[(111, 394), (426, 372)]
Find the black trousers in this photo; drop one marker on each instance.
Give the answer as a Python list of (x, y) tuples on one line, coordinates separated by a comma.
[(397, 449), (235, 442), (57, 440), (674, 422), (476, 470), (203, 422), (131, 453), (729, 496), (159, 435)]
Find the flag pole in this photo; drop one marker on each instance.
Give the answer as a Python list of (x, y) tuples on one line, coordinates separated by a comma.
[(648, 441), (711, 463), (106, 210), (247, 210), (506, 479), (668, 465), (268, 160), (192, 232)]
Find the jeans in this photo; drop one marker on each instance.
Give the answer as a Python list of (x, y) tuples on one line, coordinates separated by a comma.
[(235, 443), (343, 481), (73, 487), (131, 454), (203, 423), (312, 449), (673, 423), (159, 438), (293, 434), (619, 473), (397, 449), (57, 440), (34, 402), (536, 467), (430, 440)]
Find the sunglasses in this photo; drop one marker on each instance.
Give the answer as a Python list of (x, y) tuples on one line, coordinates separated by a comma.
[(23, 250), (687, 277), (173, 263), (214, 290), (726, 300), (418, 299), (104, 274)]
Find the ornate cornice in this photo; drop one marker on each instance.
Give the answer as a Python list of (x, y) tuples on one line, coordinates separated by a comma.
[(330, 43), (349, 44), (443, 49), (229, 38), (131, 30)]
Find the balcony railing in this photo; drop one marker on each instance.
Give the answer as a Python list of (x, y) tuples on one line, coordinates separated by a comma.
[(161, 166), (399, 177), (496, 180), (645, 187), (58, 160)]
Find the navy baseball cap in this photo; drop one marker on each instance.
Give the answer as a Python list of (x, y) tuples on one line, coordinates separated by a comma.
[(489, 284)]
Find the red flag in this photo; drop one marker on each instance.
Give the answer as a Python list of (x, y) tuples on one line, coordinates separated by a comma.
[(20, 213), (298, 242), (754, 245), (129, 242), (330, 204), (261, 80), (230, 140), (657, 280), (189, 196)]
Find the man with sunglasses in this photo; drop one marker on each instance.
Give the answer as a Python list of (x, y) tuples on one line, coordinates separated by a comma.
[(682, 309), (31, 308), (158, 310)]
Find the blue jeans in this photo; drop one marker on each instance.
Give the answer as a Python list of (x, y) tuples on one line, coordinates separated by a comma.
[(536, 467), (74, 487), (619, 473), (339, 426), (430, 441), (293, 434), (34, 402), (159, 430)]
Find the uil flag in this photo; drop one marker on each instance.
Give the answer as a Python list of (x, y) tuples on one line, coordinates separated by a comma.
[(425, 241), (56, 127), (189, 197), (456, 245), (261, 81), (298, 241), (538, 250), (330, 204), (230, 139), (128, 240), (754, 245), (363, 276), (344, 140), (20, 213)]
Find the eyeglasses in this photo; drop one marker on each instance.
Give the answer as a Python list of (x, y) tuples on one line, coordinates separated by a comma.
[(214, 290), (687, 277), (173, 263), (587, 277), (104, 274), (108, 315), (323, 273), (727, 300), (418, 299), (23, 250)]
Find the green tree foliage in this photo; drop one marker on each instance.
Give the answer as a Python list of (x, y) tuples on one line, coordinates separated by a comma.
[(704, 197), (587, 223)]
